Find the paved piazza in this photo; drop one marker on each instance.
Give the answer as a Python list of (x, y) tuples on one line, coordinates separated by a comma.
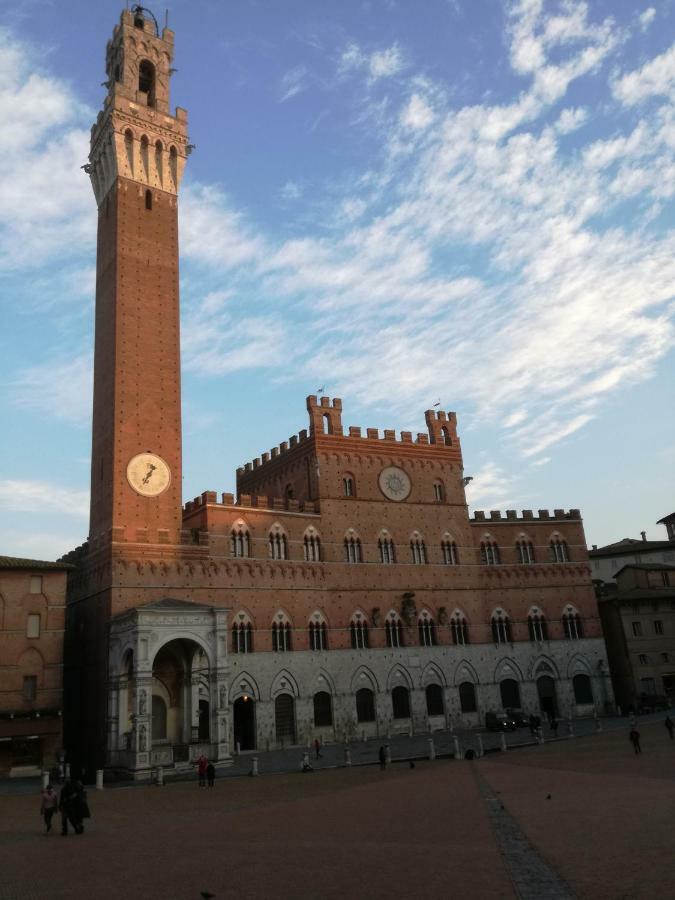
[(583, 817)]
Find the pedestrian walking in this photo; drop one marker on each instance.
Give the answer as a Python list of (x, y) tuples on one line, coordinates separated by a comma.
[(210, 774), (634, 738), (73, 806), (669, 725), (553, 722), (317, 748), (383, 758), (48, 806), (202, 766)]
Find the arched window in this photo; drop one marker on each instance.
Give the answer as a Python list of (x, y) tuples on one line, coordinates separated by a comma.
[(501, 628), (146, 80), (536, 625), (459, 629), (449, 551), (447, 438), (439, 492), (418, 550), (312, 546), (525, 551), (277, 544), (173, 163), (148, 199), (583, 691), (359, 632), (365, 705), (509, 690), (242, 635), (352, 546), (489, 553), (159, 165), (435, 705), (349, 486), (393, 630), (572, 624), (387, 549), (323, 709), (281, 634), (559, 551), (400, 702), (467, 697), (318, 634), (240, 544), (427, 630), (129, 148)]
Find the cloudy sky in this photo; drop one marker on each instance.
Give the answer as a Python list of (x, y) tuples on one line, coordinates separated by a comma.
[(458, 200)]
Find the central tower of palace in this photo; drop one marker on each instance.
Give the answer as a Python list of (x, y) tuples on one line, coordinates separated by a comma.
[(138, 152)]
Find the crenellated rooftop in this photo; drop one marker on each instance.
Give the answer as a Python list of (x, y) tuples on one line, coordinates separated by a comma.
[(527, 515), (251, 501)]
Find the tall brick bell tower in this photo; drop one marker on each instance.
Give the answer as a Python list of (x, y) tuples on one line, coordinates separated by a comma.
[(138, 152)]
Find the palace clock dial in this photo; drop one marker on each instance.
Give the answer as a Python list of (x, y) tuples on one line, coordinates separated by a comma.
[(148, 474), (394, 483)]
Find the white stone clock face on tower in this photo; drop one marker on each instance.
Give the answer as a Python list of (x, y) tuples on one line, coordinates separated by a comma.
[(394, 483), (148, 474)]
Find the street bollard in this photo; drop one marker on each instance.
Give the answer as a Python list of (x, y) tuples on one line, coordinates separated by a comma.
[(503, 741), (458, 754), (254, 766), (348, 756), (67, 770), (598, 723), (45, 779), (99, 779), (387, 754), (237, 749), (570, 728), (160, 776), (432, 749), (304, 765), (481, 751)]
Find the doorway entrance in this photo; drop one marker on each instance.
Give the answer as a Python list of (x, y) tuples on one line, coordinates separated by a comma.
[(244, 723), (547, 699), (284, 718)]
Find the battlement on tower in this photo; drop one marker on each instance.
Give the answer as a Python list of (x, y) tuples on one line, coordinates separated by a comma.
[(527, 515), (251, 501)]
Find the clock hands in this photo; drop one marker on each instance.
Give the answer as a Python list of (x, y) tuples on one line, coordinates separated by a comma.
[(151, 469)]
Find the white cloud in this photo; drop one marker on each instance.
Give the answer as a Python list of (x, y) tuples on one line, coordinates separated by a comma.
[(290, 191), (647, 17), (378, 64), (655, 78), (61, 387), (212, 232), (43, 497), (491, 487), (570, 119), (30, 544), (293, 83), (417, 114)]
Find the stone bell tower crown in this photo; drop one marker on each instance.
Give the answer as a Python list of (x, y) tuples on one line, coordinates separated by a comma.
[(135, 136), (138, 152)]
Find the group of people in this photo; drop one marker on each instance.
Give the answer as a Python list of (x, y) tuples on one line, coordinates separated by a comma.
[(71, 803), (206, 772)]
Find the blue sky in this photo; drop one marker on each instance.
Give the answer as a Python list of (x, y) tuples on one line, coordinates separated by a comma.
[(461, 200)]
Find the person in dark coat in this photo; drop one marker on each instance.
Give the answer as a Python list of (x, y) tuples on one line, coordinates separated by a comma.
[(383, 758), (71, 802), (48, 806), (669, 725), (210, 774), (317, 748), (202, 765), (553, 722), (634, 738)]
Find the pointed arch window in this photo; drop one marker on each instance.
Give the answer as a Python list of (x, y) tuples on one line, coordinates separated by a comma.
[(349, 486), (418, 550), (148, 199), (281, 636), (312, 547), (525, 551), (387, 549), (572, 625), (277, 545), (459, 629), (439, 492), (318, 635), (242, 637), (450, 552), (240, 542), (537, 626), (393, 630), (489, 553), (427, 630), (146, 80), (559, 551), (359, 633), (352, 547), (501, 628)]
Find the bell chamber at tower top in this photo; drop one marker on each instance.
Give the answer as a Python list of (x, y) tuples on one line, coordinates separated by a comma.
[(135, 136)]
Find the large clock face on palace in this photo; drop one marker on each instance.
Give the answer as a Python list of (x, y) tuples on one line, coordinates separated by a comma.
[(148, 474), (394, 483)]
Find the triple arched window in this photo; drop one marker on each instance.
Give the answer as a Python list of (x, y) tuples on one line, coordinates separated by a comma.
[(418, 550), (242, 635), (525, 551), (240, 541), (359, 632), (393, 630), (537, 626), (459, 629), (312, 546), (489, 553), (387, 549), (281, 634), (277, 545), (318, 634), (559, 551), (353, 552), (501, 628), (449, 551), (427, 630), (572, 624)]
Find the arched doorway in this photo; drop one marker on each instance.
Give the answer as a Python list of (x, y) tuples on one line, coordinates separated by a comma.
[(548, 702), (400, 702), (510, 693), (244, 722), (158, 718), (284, 718), (180, 676)]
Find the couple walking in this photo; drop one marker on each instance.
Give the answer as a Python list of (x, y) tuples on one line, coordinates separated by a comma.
[(206, 771), (72, 803)]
